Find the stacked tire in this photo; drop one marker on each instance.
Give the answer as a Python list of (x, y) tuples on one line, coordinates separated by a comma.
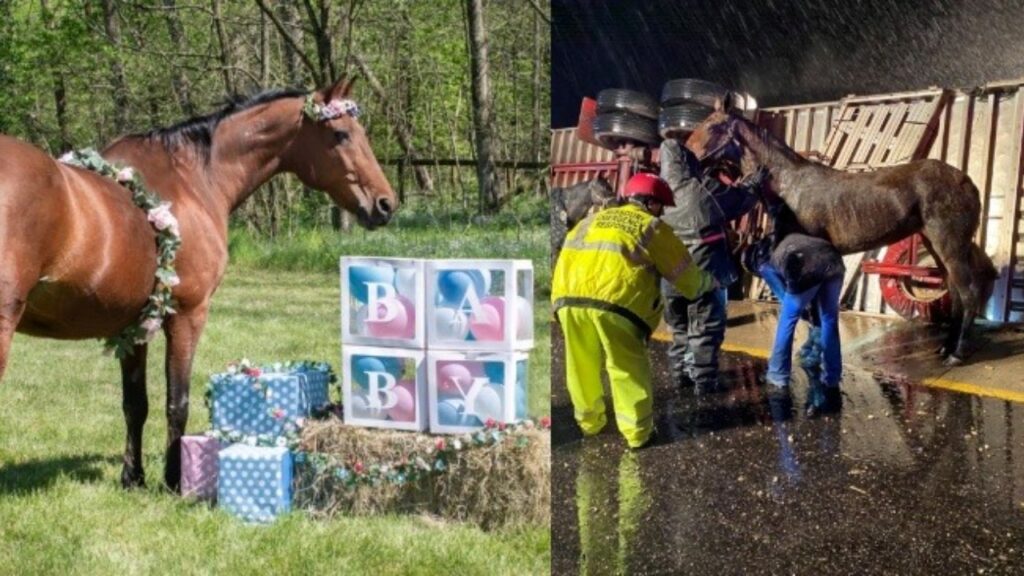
[(686, 102), (626, 116)]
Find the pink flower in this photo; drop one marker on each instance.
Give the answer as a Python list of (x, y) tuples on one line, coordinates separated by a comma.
[(439, 444), (162, 219), (490, 423), (125, 175), (278, 413), (545, 422), (358, 467), (251, 371), (300, 422), (151, 326)]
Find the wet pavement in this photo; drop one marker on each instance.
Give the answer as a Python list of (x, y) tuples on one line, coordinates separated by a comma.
[(911, 477)]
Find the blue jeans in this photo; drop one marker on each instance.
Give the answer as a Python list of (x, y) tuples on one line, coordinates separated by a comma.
[(826, 297)]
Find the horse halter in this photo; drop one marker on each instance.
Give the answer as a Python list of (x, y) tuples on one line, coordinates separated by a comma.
[(729, 142)]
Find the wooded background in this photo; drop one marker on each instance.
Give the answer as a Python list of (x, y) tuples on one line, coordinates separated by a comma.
[(441, 83)]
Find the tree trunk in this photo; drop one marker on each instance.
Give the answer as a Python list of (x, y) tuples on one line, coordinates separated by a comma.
[(179, 82), (225, 60), (319, 17), (487, 175), (60, 101), (117, 78), (538, 122), (290, 17), (423, 180)]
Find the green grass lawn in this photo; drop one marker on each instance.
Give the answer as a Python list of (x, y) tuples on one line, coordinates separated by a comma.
[(62, 434)]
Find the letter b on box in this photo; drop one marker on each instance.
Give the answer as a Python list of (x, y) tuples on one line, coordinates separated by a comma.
[(382, 302)]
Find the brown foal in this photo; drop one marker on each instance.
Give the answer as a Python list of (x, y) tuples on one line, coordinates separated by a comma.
[(79, 257)]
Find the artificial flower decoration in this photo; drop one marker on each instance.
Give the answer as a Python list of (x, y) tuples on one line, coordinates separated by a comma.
[(168, 240)]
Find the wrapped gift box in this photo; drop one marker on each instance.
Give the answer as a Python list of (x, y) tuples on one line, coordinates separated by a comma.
[(255, 483), (382, 302), (385, 387), (266, 403), (479, 305), (466, 389), (199, 458)]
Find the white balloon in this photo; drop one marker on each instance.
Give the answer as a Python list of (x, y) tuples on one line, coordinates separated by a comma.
[(450, 324), (405, 283), (488, 403), (360, 406), (524, 318), (359, 327)]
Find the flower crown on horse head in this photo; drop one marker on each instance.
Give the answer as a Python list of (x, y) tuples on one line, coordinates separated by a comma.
[(331, 110)]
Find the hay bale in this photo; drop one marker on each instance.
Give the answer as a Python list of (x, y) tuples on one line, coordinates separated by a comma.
[(496, 485)]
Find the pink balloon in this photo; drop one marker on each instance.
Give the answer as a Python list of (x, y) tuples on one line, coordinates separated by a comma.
[(403, 325), (488, 323), (448, 372), (405, 409)]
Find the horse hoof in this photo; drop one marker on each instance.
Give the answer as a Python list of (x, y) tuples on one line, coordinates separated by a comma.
[(942, 350), (131, 479), (952, 360)]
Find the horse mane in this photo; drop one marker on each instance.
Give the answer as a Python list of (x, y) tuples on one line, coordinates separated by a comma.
[(771, 142), (197, 132)]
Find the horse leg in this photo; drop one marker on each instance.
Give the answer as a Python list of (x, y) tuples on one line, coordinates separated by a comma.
[(954, 252), (949, 340), (135, 405), (182, 331)]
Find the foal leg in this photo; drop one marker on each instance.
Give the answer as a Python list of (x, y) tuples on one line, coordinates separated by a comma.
[(183, 331), (135, 405)]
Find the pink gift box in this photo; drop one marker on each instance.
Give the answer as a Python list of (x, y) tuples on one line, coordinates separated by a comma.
[(199, 467)]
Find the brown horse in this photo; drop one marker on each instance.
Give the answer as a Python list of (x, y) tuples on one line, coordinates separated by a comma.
[(79, 257), (867, 210)]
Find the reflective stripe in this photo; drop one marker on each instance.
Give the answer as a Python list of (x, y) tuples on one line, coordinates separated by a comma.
[(637, 256), (679, 269), (638, 423), (582, 414)]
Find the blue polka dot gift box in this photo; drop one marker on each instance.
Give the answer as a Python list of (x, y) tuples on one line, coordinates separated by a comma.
[(255, 482), (267, 400)]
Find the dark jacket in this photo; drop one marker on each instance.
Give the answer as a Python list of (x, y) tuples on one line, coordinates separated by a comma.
[(704, 206), (805, 261)]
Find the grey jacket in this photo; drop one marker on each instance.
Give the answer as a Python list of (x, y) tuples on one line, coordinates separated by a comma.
[(704, 206)]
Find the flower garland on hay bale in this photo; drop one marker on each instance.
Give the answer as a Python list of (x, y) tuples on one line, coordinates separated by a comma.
[(495, 477)]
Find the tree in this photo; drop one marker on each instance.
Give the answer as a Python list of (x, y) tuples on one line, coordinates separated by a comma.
[(487, 174)]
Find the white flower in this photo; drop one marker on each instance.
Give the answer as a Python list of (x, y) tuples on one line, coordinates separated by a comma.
[(125, 175), (173, 281), (282, 441), (67, 157), (250, 440)]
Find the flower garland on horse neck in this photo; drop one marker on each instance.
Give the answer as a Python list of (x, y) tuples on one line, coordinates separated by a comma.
[(168, 240)]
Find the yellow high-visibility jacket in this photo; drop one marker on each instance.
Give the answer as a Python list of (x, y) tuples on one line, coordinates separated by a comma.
[(613, 260)]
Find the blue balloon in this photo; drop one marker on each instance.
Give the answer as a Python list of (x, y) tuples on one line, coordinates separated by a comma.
[(495, 372), (453, 285), (450, 412), (521, 396), (363, 364), (359, 276)]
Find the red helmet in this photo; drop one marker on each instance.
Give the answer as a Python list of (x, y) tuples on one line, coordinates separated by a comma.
[(650, 185)]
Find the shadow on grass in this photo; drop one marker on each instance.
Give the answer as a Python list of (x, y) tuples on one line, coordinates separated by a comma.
[(26, 477)]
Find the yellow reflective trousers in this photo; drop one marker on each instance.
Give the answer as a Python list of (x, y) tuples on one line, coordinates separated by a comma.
[(594, 337)]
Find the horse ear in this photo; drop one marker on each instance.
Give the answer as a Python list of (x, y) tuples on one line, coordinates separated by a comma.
[(339, 90), (719, 105)]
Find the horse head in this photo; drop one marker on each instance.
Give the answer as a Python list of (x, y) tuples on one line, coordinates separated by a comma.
[(334, 155), (715, 139)]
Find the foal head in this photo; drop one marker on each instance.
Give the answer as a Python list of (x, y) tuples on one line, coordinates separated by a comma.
[(332, 153)]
